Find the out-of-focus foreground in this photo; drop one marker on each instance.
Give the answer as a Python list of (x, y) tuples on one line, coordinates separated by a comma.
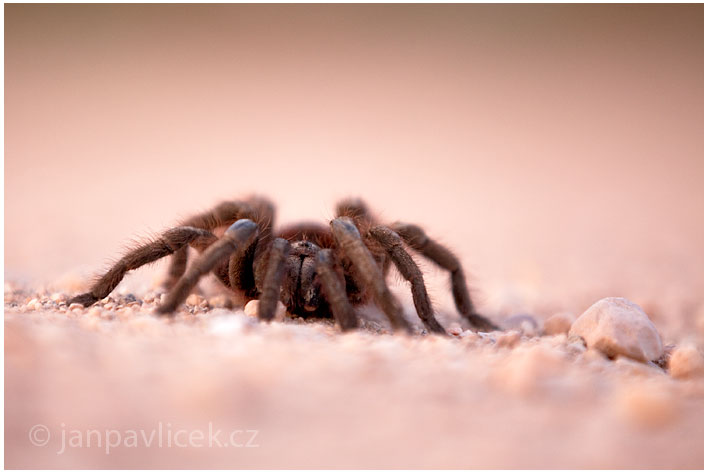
[(558, 149)]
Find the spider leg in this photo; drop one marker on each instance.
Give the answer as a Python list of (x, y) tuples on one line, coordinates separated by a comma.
[(335, 291), (393, 245), (274, 273), (236, 238), (354, 208), (224, 214), (416, 238), (168, 243), (366, 272)]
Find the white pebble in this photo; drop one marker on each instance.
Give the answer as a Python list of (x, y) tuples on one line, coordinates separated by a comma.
[(616, 326)]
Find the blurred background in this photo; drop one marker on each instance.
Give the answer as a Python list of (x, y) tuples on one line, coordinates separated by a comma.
[(557, 148)]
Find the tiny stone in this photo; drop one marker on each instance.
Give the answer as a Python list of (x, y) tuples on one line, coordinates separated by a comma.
[(685, 362), (220, 301), (525, 323), (193, 300), (74, 306), (251, 308), (109, 305), (558, 324), (455, 330), (58, 297), (509, 339)]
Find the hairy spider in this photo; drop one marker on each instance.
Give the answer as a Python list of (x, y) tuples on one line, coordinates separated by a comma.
[(316, 271)]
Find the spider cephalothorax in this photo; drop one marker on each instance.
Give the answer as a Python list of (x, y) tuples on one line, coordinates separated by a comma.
[(314, 270)]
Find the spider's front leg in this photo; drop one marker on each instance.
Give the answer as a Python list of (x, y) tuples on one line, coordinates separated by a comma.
[(273, 280), (367, 272), (335, 291), (237, 238)]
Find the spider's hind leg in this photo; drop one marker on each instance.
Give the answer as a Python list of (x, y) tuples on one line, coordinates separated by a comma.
[(393, 245), (416, 238), (353, 208), (169, 242)]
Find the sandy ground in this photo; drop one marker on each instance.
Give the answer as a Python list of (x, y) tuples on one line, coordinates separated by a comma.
[(316, 398), (557, 149)]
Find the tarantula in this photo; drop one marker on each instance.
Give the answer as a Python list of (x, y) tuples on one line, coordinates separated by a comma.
[(314, 270)]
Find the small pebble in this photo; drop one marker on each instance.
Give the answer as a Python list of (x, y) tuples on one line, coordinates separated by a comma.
[(74, 306), (558, 324), (251, 309), (34, 304), (193, 300), (58, 297), (221, 301), (685, 362), (509, 339), (525, 323), (455, 330)]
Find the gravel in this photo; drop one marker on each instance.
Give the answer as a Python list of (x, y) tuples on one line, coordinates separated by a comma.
[(320, 398)]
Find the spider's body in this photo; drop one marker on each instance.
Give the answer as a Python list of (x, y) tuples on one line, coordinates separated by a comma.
[(314, 270)]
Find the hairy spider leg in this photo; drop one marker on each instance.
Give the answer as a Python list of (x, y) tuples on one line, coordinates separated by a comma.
[(366, 271), (393, 245), (416, 238), (237, 238), (168, 243)]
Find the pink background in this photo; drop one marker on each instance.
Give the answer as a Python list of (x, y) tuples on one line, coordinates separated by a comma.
[(557, 148)]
